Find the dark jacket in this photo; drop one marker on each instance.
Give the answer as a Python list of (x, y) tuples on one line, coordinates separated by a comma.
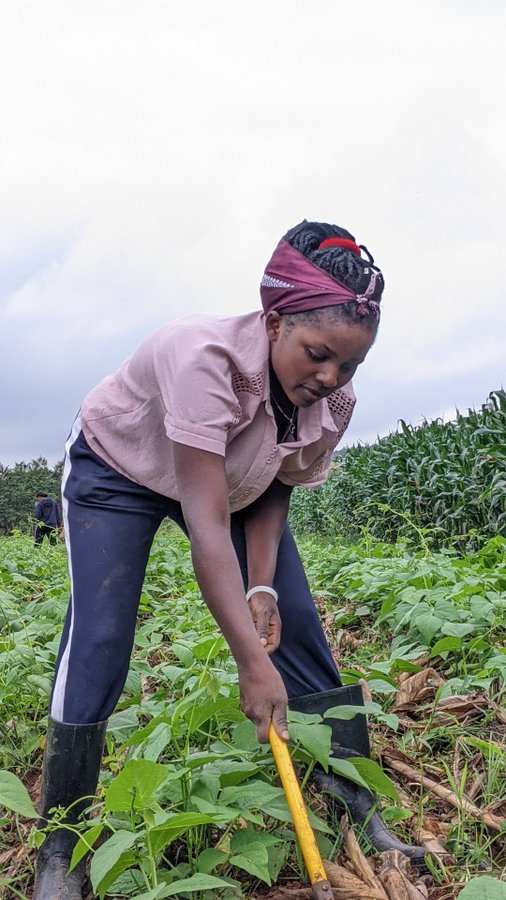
[(47, 512)]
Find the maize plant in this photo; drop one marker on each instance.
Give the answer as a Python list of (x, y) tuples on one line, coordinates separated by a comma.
[(441, 481)]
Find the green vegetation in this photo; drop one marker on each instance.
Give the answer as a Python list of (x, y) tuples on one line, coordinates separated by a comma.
[(444, 479), (189, 805)]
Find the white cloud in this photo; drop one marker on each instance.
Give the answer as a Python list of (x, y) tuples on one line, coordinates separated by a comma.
[(155, 153)]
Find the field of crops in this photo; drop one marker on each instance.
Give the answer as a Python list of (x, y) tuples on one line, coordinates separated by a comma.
[(189, 805), (445, 481)]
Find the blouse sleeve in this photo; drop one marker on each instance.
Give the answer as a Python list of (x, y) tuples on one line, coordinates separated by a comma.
[(195, 382)]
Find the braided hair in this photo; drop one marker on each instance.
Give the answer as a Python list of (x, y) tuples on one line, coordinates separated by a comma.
[(342, 264)]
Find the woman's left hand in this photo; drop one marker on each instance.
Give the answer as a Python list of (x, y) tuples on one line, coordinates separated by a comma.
[(265, 615)]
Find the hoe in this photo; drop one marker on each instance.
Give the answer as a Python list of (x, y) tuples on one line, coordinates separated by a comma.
[(314, 864)]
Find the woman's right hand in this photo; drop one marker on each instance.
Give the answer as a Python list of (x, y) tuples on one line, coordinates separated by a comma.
[(264, 698)]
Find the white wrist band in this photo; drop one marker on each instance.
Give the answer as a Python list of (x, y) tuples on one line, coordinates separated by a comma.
[(259, 589)]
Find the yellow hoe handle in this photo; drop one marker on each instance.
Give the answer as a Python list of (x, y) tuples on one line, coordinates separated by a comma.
[(314, 864)]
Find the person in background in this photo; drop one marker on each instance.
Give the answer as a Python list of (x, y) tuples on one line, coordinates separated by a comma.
[(48, 516), (212, 422)]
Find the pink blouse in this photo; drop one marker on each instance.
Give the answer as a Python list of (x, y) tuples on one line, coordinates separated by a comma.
[(204, 382)]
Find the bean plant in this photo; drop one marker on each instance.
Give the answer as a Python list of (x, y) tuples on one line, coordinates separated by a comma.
[(188, 803)]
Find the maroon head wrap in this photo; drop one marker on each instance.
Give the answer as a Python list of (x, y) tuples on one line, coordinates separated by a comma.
[(292, 284)]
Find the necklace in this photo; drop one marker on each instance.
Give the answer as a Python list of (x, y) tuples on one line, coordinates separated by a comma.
[(292, 420)]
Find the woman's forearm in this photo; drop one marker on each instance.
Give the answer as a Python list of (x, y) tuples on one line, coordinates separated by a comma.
[(264, 524), (220, 580)]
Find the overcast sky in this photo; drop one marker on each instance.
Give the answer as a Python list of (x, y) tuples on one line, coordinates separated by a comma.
[(153, 153)]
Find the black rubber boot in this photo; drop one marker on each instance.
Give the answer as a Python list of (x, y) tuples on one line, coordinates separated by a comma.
[(71, 769), (350, 738)]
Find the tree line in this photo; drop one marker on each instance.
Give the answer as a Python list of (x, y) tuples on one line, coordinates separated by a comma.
[(447, 478)]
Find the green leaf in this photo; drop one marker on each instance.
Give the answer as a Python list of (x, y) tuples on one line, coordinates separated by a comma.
[(484, 888), (173, 673), (373, 774), (14, 796), (206, 785), (110, 860), (458, 629), (345, 712), (253, 795), (428, 626), (244, 836), (121, 722), (135, 786), (345, 768), (203, 711), (390, 719), (41, 682), (183, 653), (156, 742), (370, 708), (218, 813), (395, 814), (303, 718), (381, 685), (232, 772), (141, 735), (403, 665), (314, 738), (190, 885), (209, 647), (245, 736), (487, 747), (161, 835), (209, 859), (85, 843), (201, 758), (149, 895), (481, 609), (496, 662), (277, 808), (254, 860), (378, 671), (447, 611), (445, 645), (278, 854), (387, 606)]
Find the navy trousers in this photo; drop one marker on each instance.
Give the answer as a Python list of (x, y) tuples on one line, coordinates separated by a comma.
[(42, 531), (110, 523)]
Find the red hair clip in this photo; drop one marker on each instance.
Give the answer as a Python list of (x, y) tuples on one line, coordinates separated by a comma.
[(340, 242)]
